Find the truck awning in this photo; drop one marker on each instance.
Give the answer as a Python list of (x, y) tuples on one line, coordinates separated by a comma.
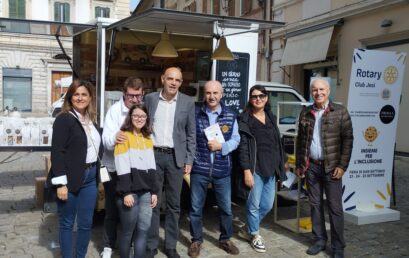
[(187, 23), (46, 28)]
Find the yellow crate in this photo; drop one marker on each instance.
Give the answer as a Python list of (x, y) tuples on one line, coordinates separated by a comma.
[(305, 223)]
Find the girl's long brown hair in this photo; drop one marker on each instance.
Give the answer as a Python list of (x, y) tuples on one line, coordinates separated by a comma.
[(128, 126)]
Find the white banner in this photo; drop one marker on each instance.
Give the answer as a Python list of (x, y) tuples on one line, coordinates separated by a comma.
[(373, 102)]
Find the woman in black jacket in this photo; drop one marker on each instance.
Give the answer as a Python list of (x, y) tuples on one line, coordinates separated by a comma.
[(262, 160), (76, 144)]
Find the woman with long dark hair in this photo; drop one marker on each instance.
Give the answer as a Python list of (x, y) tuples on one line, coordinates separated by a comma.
[(262, 160), (76, 144), (137, 185)]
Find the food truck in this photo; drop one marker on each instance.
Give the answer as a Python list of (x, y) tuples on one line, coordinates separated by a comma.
[(108, 51)]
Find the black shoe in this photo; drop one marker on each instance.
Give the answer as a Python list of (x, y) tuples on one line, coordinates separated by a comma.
[(315, 249), (338, 254), (171, 253), (150, 253)]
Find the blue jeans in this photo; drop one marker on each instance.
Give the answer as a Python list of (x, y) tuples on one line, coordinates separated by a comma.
[(135, 222), (259, 202), (198, 192), (79, 204)]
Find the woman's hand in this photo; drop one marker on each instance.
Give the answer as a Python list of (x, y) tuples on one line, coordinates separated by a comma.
[(62, 193), (129, 200), (154, 200), (248, 178)]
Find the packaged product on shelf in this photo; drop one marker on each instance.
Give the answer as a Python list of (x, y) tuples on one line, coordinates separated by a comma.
[(2, 131), (46, 131), (26, 132), (34, 131)]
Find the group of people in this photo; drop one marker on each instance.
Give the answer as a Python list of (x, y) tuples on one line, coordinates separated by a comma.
[(149, 142)]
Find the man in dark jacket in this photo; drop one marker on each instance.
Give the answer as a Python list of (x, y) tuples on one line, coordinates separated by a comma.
[(324, 147), (216, 137)]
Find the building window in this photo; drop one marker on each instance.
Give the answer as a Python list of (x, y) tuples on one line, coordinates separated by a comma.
[(61, 12), (17, 9), (17, 89), (101, 12)]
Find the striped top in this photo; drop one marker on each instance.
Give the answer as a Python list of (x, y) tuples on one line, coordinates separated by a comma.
[(135, 165)]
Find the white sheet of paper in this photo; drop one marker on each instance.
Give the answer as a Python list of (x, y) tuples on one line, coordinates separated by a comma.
[(290, 179), (213, 132)]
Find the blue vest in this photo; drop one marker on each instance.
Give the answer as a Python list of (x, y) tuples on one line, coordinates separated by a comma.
[(221, 166)]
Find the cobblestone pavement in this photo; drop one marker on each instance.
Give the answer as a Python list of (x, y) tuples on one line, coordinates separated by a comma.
[(25, 231)]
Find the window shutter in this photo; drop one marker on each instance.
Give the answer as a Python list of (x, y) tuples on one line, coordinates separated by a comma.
[(97, 12), (12, 9), (57, 16), (204, 7), (216, 7), (232, 5), (66, 12), (20, 9), (247, 6)]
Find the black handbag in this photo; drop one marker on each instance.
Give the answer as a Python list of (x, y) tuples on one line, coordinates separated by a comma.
[(50, 195)]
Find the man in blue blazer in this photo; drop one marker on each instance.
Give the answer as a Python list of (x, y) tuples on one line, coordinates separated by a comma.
[(172, 117)]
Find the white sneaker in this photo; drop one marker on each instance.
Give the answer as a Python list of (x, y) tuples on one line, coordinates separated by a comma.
[(107, 253), (244, 234), (258, 244)]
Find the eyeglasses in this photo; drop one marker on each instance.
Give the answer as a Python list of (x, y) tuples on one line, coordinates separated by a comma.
[(261, 96), (132, 96), (142, 117)]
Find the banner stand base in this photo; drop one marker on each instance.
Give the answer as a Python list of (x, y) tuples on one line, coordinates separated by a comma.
[(362, 218)]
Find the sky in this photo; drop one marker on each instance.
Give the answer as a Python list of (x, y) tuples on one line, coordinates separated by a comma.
[(133, 4)]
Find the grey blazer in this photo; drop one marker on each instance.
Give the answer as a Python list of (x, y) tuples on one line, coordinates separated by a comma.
[(184, 130)]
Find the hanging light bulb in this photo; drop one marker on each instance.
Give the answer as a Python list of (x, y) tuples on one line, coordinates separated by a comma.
[(164, 48), (222, 52)]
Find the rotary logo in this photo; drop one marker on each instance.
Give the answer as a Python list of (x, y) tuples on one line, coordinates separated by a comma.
[(371, 134), (225, 128), (390, 75)]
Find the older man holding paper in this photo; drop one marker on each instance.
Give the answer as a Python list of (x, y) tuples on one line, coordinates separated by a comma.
[(216, 137)]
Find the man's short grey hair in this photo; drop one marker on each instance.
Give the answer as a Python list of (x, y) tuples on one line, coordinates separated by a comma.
[(319, 79)]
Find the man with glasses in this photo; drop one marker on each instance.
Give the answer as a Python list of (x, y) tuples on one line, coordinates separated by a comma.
[(133, 91), (172, 116)]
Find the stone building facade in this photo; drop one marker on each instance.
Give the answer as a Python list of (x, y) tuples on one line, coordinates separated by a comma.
[(32, 67)]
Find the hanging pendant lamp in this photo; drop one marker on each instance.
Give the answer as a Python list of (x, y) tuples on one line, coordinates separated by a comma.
[(222, 52), (164, 48)]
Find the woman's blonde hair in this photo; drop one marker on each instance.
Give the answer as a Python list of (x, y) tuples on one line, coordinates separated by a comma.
[(67, 106)]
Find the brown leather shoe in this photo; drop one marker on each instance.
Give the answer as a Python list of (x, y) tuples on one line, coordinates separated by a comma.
[(194, 249), (229, 247)]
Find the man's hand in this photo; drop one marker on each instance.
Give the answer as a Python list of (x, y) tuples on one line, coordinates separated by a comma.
[(129, 200), (154, 200), (300, 172), (120, 137), (338, 173), (214, 145), (187, 169), (248, 179), (62, 193)]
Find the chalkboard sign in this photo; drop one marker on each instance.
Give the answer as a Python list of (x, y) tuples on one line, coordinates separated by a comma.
[(234, 78)]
